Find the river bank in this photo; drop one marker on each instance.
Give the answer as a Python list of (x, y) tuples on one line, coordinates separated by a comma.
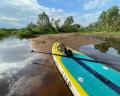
[(44, 43), (105, 35)]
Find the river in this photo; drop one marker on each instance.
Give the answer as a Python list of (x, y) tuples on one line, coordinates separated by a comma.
[(14, 56), (108, 52), (20, 76)]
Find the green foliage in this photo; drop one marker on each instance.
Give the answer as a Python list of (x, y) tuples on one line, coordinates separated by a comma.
[(56, 25), (44, 22), (21, 33), (4, 33), (31, 27), (82, 29), (108, 21), (67, 26), (102, 17), (75, 27), (69, 21)]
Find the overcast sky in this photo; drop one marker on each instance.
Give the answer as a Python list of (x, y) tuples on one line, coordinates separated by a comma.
[(18, 13)]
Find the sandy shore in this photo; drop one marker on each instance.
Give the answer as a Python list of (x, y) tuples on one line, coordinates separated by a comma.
[(44, 42), (102, 35), (52, 83)]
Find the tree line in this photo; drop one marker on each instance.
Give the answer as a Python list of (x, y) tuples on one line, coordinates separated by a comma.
[(108, 21), (44, 25)]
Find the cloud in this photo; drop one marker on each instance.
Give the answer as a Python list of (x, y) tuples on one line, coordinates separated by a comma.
[(5, 46), (18, 13), (90, 18), (12, 15), (9, 19), (21, 12), (95, 4)]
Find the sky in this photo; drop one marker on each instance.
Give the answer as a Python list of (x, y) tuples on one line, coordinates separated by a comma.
[(18, 13)]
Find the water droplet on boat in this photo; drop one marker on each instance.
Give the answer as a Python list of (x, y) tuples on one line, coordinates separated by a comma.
[(104, 67), (80, 79)]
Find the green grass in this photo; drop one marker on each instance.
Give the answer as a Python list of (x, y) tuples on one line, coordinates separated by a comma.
[(3, 34), (101, 32), (23, 33)]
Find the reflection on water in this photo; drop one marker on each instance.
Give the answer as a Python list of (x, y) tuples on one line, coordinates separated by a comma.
[(14, 56), (19, 76), (108, 51), (110, 43)]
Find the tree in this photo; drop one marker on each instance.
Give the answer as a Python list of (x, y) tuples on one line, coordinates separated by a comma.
[(118, 16), (56, 24), (75, 27), (102, 19), (110, 20), (44, 22), (31, 26), (111, 15), (67, 26), (116, 26), (69, 21)]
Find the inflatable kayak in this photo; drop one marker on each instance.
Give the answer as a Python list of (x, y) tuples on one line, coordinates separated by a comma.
[(85, 78)]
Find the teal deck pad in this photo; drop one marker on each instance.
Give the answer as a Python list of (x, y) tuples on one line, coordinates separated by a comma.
[(100, 77), (105, 71), (89, 82)]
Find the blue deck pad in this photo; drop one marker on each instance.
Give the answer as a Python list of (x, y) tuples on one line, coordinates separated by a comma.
[(92, 85), (105, 71)]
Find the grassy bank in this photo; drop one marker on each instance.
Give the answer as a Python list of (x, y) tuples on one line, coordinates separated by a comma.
[(3, 34), (23, 33), (102, 32)]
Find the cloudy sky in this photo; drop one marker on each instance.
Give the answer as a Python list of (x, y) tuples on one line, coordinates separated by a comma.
[(18, 13)]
